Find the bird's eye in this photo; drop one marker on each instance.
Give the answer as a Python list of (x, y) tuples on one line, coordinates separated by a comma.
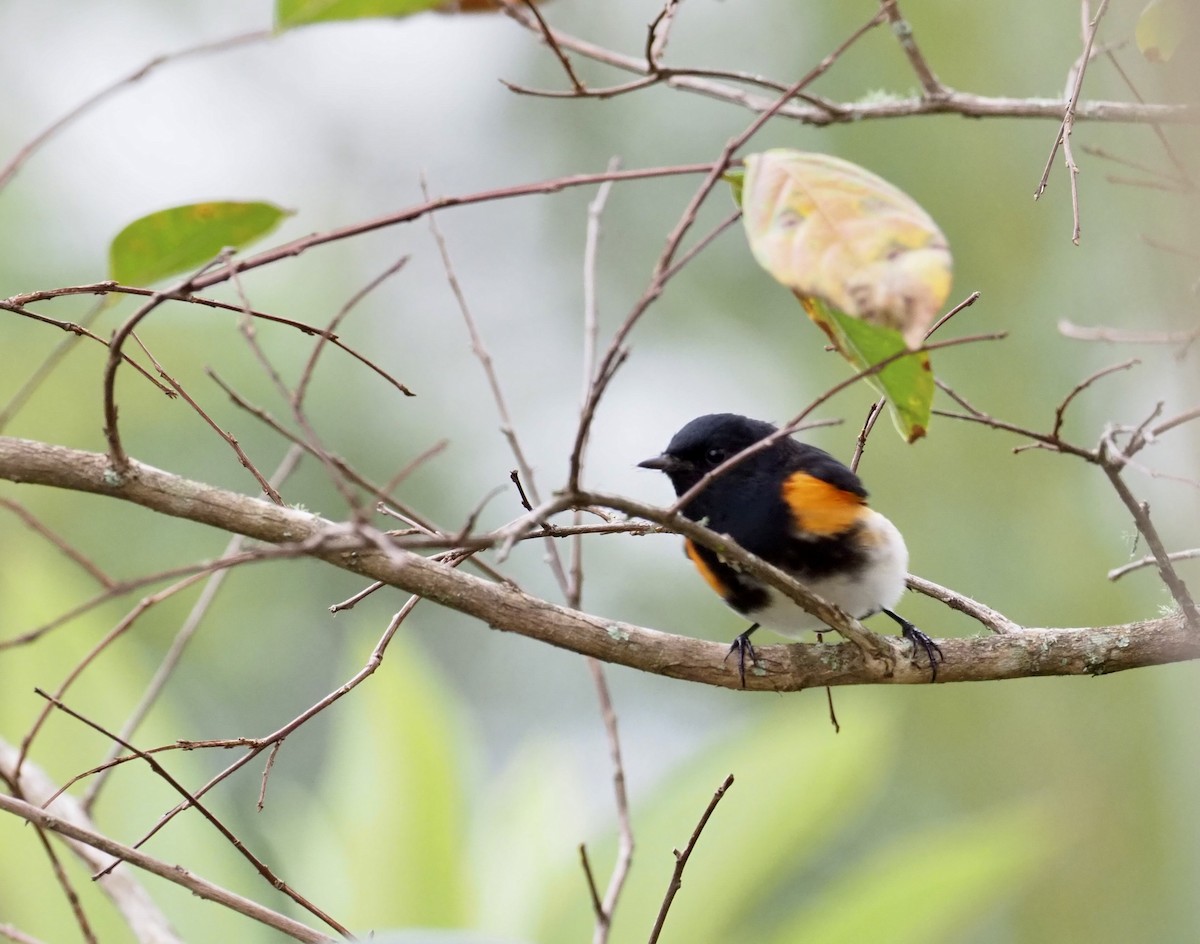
[(716, 456)]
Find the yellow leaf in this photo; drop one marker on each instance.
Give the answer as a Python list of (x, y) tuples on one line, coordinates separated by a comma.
[(1159, 29), (827, 228)]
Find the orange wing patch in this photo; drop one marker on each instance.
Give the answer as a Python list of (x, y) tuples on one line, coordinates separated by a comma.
[(820, 508), (709, 575)]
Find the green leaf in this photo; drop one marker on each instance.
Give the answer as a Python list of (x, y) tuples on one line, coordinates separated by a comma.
[(1160, 27), (736, 178), (183, 238), (928, 886), (291, 13), (906, 382)]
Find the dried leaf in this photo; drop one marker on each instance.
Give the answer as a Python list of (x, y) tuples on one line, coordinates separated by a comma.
[(827, 228)]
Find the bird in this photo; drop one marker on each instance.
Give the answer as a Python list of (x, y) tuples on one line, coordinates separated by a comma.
[(794, 506)]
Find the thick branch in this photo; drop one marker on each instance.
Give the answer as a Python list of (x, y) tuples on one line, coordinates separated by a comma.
[(1022, 653)]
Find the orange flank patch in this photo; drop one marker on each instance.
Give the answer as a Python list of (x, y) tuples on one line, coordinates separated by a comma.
[(709, 575), (821, 508)]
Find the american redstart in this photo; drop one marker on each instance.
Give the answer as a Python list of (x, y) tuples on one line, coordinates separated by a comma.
[(796, 507)]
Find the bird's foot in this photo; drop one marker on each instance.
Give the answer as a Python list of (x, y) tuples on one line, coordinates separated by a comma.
[(743, 647), (919, 641)]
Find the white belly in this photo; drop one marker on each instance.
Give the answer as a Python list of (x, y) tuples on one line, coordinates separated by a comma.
[(878, 585)]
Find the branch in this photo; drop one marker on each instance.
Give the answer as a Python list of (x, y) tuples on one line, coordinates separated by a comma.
[(141, 914), (949, 102), (1022, 653), (681, 858), (172, 873)]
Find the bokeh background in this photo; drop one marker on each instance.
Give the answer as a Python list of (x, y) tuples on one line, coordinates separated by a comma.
[(453, 789)]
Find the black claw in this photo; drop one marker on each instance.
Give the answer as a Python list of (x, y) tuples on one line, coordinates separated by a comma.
[(918, 639), (743, 647)]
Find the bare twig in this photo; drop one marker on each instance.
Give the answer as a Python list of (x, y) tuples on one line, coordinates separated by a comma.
[(860, 442), (1181, 167), (591, 335), (658, 34), (172, 873), (259, 865), (1118, 572), (329, 334), (1068, 121), (9, 170), (930, 84), (142, 916), (725, 86), (1060, 411), (230, 440), (548, 36), (993, 620), (507, 426), (12, 933), (1076, 332), (681, 859), (625, 843), (36, 525), (1141, 517), (593, 891), (171, 659)]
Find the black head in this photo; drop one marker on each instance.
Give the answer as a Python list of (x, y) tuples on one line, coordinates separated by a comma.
[(706, 442)]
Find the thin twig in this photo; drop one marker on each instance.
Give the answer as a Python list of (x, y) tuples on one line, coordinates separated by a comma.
[(860, 442), (995, 621), (1061, 410), (930, 84), (591, 336), (548, 36), (259, 866), (1076, 332), (659, 33), (1068, 122), (593, 892), (818, 112), (171, 872), (12, 933), (335, 322), (174, 655), (507, 426), (230, 440), (625, 843), (35, 524), (681, 860), (1118, 572), (37, 142), (1141, 517)]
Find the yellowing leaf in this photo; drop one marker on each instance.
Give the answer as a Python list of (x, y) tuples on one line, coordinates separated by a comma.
[(1159, 29), (829, 229), (180, 239), (289, 13), (907, 382)]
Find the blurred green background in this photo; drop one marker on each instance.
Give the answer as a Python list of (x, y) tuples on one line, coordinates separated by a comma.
[(452, 790)]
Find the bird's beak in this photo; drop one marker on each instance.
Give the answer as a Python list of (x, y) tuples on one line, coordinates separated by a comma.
[(663, 463)]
